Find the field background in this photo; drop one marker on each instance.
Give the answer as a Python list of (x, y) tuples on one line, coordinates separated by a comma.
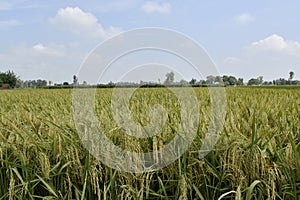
[(256, 157)]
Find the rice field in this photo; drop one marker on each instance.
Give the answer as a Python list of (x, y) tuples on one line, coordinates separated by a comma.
[(256, 157)]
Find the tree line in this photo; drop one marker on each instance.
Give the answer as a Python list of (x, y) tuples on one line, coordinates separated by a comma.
[(233, 81), (9, 79)]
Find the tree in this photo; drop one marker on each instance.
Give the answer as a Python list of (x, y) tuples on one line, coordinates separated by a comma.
[(32, 83), (240, 81), (225, 80), (267, 83), (75, 80), (183, 82), (202, 82), (169, 78), (260, 79), (219, 80), (10, 78), (193, 81), (65, 83), (19, 83), (280, 81), (41, 83), (292, 74), (254, 81), (229, 80), (232, 80), (210, 79)]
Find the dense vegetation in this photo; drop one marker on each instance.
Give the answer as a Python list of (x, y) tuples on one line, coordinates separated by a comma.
[(256, 157), (10, 80)]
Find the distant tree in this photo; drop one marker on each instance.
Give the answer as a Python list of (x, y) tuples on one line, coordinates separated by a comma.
[(10, 78), (240, 81), (254, 81), (201, 82), (75, 80), (84, 83), (225, 80), (19, 83), (110, 84), (169, 78), (219, 79), (183, 82), (292, 74), (261, 80), (210, 79), (44, 83), (33, 83), (193, 81), (229, 80), (232, 80), (41, 83), (65, 83), (267, 83), (281, 81), (25, 84)]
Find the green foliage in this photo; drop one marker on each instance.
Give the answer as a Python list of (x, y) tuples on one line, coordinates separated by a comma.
[(292, 74), (169, 78), (8, 77), (254, 81), (230, 80)]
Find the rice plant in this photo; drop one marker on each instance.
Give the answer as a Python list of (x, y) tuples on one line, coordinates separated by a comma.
[(256, 157)]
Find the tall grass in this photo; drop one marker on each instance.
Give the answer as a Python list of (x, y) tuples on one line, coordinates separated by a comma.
[(256, 157)]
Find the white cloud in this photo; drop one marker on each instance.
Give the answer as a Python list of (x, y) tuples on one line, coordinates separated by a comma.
[(272, 57), (82, 23), (55, 62), (277, 43), (51, 51), (244, 18), (152, 7), (9, 23)]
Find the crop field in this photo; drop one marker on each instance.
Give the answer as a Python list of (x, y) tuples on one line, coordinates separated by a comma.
[(257, 155)]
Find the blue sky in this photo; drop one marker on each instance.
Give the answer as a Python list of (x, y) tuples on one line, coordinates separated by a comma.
[(50, 39)]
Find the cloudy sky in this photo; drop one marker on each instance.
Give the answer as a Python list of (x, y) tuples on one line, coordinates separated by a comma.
[(51, 39)]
